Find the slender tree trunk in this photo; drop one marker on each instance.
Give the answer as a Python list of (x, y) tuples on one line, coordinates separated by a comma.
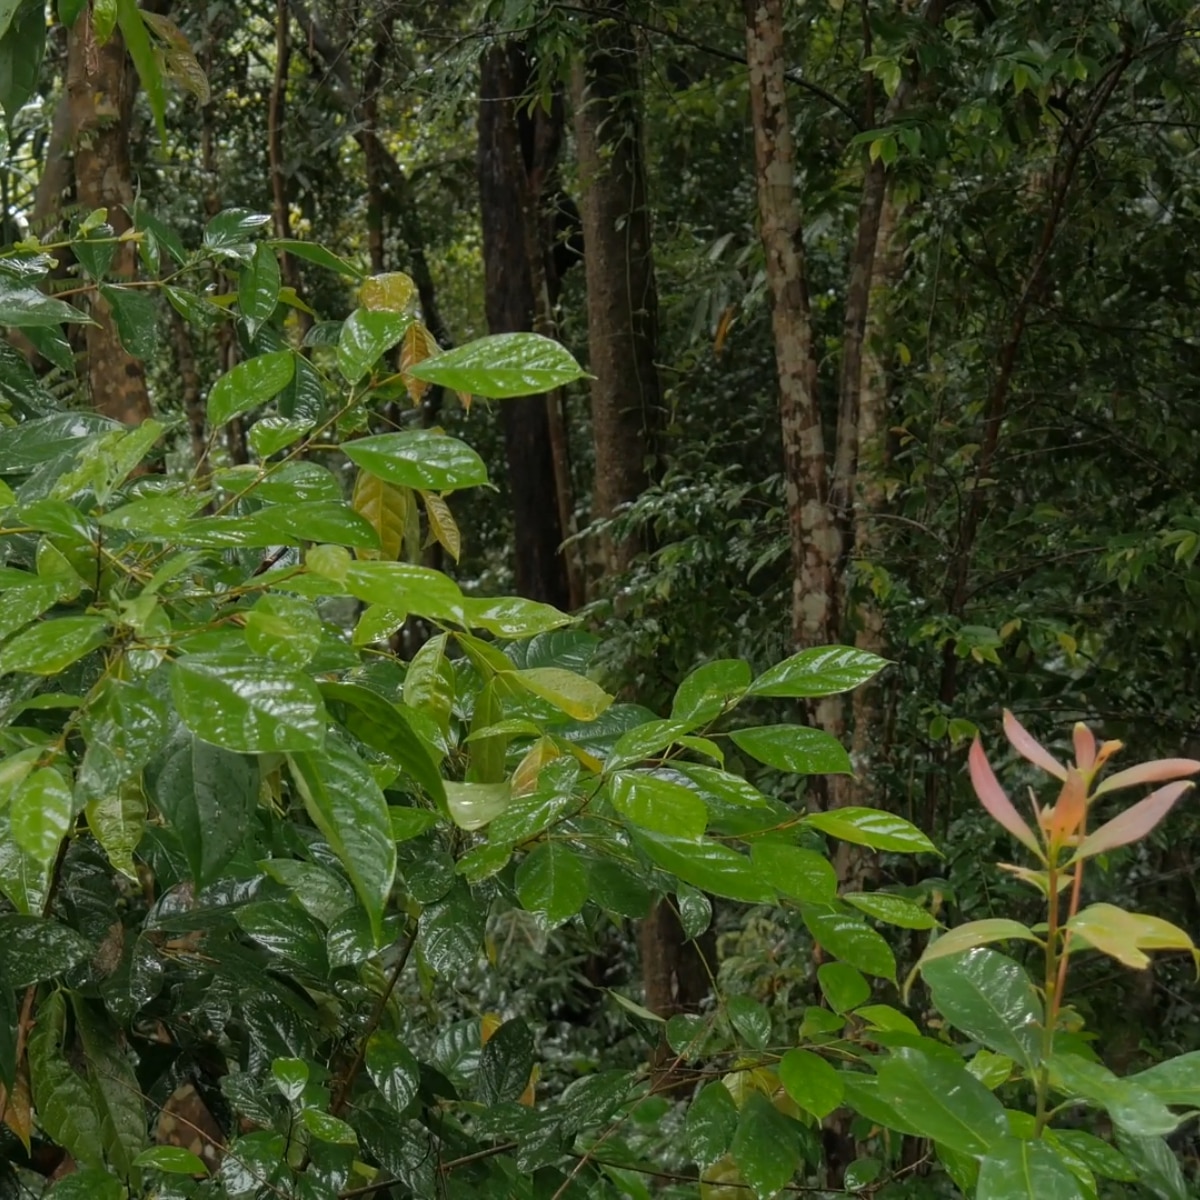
[(816, 541), (281, 206), (100, 90), (869, 502), (513, 270), (622, 310), (622, 302)]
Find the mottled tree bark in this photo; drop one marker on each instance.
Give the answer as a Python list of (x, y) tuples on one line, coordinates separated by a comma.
[(816, 541), (509, 196), (622, 302), (101, 84)]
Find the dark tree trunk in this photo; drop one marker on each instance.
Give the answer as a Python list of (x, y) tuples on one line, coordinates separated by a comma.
[(622, 300), (622, 309), (513, 269)]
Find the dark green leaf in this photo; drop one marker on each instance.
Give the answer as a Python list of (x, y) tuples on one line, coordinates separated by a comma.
[(1156, 1166), (843, 986), (419, 458), (658, 805), (795, 748), (137, 318), (802, 874), (550, 881), (249, 384), (850, 939), (36, 949), (87, 1184), (116, 1095), (617, 888), (1097, 1155), (451, 932), (365, 337), (247, 705), (822, 671), (505, 1063), (1019, 1170), (316, 254), (66, 1109), (171, 1160), (708, 865), (871, 827), (22, 45), (751, 1020), (208, 795), (393, 1069), (811, 1082), (384, 727), (258, 288), (766, 1146), (346, 805), (51, 646), (233, 227), (710, 690), (500, 366), (288, 931), (23, 307), (990, 998), (712, 1120), (943, 1100)]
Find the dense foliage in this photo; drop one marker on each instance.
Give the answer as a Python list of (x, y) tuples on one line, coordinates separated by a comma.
[(322, 854)]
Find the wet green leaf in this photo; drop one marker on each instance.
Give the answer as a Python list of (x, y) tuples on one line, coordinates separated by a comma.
[(500, 366), (822, 671), (249, 384), (249, 705), (346, 805), (943, 1100), (51, 646), (365, 337), (871, 827), (794, 748), (418, 458), (551, 881), (811, 1082)]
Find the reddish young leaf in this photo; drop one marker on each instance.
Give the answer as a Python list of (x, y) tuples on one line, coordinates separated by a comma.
[(1085, 746), (1026, 745), (1067, 815), (1158, 771), (991, 796), (1134, 823)]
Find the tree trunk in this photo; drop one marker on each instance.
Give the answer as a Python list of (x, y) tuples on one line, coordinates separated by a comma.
[(100, 89), (512, 250), (622, 303), (816, 541)]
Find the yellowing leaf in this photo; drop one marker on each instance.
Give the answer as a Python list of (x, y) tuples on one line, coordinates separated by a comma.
[(385, 506), (488, 1024), (393, 292), (573, 694), (419, 344), (18, 1108), (1125, 936), (525, 777), (442, 525)]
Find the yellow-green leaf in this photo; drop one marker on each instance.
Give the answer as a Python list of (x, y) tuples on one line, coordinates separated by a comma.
[(573, 694), (385, 507), (1126, 936)]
